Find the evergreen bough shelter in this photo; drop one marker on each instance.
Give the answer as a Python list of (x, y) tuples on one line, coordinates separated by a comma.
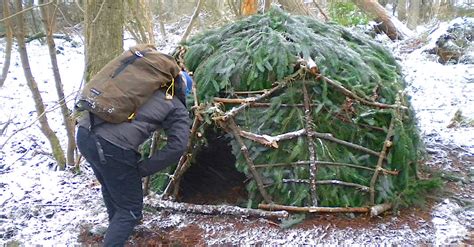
[(316, 112)]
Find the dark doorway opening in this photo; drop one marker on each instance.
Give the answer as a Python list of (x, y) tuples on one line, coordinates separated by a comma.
[(212, 177)]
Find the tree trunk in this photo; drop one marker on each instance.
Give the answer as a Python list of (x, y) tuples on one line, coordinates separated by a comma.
[(39, 105), (193, 19), (413, 13), (249, 7), (104, 33), (139, 21), (49, 23), (161, 17), (267, 5), (9, 40), (426, 10), (388, 23), (402, 10), (296, 7)]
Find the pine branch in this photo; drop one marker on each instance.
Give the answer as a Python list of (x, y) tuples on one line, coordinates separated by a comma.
[(335, 182)]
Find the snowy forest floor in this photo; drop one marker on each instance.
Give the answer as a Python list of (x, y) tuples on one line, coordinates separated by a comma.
[(42, 206)]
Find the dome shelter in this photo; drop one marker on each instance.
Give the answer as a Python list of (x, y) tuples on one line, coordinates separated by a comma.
[(315, 113)]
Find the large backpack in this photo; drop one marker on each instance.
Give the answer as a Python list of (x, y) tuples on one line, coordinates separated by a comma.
[(126, 82)]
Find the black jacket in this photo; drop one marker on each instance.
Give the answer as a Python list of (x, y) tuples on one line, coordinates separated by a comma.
[(157, 113)]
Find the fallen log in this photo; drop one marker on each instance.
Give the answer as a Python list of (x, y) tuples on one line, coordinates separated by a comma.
[(214, 209), (374, 210)]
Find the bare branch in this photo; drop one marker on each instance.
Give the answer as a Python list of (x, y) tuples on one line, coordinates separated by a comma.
[(27, 9)]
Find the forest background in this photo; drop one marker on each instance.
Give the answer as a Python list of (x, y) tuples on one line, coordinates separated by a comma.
[(78, 25)]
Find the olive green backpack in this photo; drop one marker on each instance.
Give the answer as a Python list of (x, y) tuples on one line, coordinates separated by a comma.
[(125, 83)]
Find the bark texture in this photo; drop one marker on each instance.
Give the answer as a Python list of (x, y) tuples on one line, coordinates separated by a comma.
[(48, 17), (140, 21), (104, 33), (58, 153), (372, 7), (9, 41)]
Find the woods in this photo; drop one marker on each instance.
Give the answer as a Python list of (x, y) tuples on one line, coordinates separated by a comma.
[(106, 24), (350, 120)]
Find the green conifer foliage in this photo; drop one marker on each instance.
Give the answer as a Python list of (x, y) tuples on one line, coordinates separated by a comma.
[(254, 53)]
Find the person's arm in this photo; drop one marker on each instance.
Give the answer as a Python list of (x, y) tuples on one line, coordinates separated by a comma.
[(176, 127)]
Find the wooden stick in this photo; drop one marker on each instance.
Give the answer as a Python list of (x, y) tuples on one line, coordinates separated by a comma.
[(251, 92), (383, 154), (326, 18), (233, 101), (334, 181), (329, 137), (380, 208), (327, 163), (236, 131), (185, 160), (271, 141), (313, 169), (280, 85), (313, 209), (299, 163), (214, 209), (268, 140), (338, 86)]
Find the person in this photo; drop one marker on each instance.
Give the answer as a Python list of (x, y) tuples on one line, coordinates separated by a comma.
[(112, 152)]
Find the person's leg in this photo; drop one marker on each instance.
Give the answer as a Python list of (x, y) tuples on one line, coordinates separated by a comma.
[(123, 183), (87, 147)]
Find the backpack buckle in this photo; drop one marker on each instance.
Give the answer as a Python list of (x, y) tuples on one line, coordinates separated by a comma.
[(138, 54)]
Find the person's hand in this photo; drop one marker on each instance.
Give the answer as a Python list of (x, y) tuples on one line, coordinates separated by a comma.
[(144, 168)]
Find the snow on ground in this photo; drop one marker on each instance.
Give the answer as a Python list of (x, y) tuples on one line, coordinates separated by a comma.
[(39, 205)]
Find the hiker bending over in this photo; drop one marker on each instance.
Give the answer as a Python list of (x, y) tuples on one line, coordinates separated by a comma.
[(111, 149)]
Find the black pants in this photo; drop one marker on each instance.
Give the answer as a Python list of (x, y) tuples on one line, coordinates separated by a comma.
[(121, 184)]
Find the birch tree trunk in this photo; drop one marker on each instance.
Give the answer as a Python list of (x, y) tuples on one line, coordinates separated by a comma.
[(104, 33), (58, 153), (48, 13), (389, 24), (9, 41)]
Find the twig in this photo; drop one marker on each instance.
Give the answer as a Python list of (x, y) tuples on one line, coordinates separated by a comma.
[(313, 169), (185, 160), (314, 209), (215, 209), (79, 6), (27, 9), (191, 22), (350, 94), (251, 92), (327, 163), (99, 12), (271, 141), (54, 107), (333, 181), (383, 154), (321, 10), (236, 131), (233, 101), (329, 137), (4, 128), (267, 94)]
